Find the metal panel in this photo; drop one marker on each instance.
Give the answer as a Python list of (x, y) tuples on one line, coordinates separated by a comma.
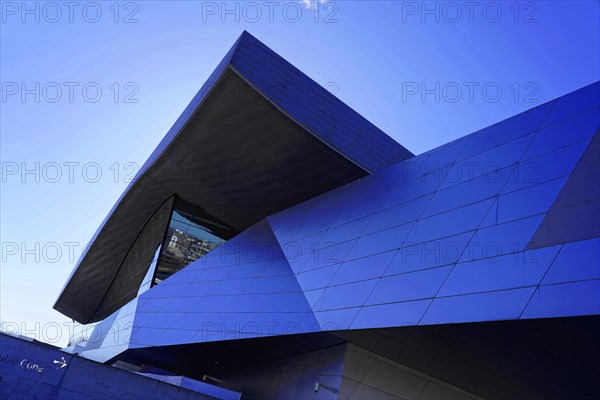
[(469, 192), (575, 215), (507, 130), (394, 314), (410, 286), (528, 202), (491, 306), (574, 103), (494, 241), (565, 299), (546, 167), (486, 162), (450, 223), (576, 261), (380, 242), (397, 215), (499, 273), (336, 297), (362, 269), (579, 127), (436, 253)]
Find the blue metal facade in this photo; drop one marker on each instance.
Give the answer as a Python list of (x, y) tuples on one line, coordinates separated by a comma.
[(500, 225), (444, 237)]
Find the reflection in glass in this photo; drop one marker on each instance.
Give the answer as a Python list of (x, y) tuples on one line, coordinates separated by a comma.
[(192, 233)]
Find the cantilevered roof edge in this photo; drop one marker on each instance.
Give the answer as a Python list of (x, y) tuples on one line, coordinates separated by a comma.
[(254, 61), (315, 108), (162, 146)]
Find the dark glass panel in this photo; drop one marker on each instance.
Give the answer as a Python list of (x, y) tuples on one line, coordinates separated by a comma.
[(192, 233)]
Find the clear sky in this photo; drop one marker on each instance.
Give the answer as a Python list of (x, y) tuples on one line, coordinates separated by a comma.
[(90, 88)]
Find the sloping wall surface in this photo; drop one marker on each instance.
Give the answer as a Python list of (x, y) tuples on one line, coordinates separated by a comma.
[(446, 237)]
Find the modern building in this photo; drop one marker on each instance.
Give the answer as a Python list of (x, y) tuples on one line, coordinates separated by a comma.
[(278, 245)]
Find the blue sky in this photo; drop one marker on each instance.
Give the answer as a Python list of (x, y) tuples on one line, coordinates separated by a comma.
[(88, 92)]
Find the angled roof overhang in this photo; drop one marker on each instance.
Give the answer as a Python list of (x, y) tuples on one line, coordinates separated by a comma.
[(243, 149)]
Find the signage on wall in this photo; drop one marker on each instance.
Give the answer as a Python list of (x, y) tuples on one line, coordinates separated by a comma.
[(30, 365)]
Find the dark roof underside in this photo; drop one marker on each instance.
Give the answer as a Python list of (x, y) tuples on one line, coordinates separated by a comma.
[(241, 150)]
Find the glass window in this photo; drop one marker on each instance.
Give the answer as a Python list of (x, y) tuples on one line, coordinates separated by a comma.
[(192, 233)]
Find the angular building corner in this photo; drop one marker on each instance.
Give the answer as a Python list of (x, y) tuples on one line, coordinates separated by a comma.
[(282, 246)]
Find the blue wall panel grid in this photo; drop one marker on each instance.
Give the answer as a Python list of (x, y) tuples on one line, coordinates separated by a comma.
[(424, 250), (498, 225)]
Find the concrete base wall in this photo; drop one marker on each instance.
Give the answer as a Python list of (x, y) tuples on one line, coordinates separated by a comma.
[(344, 371)]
